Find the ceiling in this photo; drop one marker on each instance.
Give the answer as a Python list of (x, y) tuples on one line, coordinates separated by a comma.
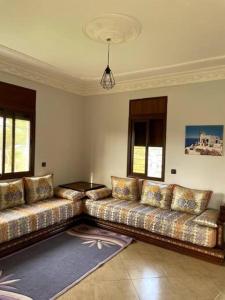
[(175, 34)]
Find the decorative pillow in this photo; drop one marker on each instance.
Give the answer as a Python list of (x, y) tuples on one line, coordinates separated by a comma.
[(99, 193), (68, 194), (11, 194), (189, 200), (208, 218), (38, 188), (125, 188), (157, 194)]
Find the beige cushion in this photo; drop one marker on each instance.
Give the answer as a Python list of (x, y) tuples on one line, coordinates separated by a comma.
[(125, 188), (11, 194), (99, 193), (157, 194), (68, 194), (190, 200), (38, 188), (208, 218)]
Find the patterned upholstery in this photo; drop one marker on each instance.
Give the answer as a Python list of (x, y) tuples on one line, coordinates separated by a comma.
[(189, 200), (125, 188), (38, 188), (11, 194), (157, 194), (173, 224), (99, 193), (68, 194), (18, 221), (208, 218)]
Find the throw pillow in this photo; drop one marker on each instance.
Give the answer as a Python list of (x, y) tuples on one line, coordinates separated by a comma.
[(190, 200), (68, 194), (11, 194), (208, 218), (157, 194), (38, 188), (99, 193), (125, 188)]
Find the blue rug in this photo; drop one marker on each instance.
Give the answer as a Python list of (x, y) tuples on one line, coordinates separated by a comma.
[(49, 268)]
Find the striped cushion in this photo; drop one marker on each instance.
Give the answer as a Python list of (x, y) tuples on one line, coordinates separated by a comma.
[(208, 218), (173, 224), (68, 194), (16, 222), (99, 193)]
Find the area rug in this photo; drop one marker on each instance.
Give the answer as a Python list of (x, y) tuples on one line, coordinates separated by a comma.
[(49, 268)]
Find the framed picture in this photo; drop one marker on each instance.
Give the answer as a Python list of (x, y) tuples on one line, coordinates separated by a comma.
[(204, 140)]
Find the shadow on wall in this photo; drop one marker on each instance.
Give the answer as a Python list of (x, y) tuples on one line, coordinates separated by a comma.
[(217, 200)]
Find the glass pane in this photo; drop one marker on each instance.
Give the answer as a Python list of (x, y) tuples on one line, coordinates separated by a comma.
[(1, 142), (156, 133), (8, 145), (139, 160), (155, 155), (22, 145), (140, 133)]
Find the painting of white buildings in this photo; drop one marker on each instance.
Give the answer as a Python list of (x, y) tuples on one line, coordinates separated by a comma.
[(204, 140)]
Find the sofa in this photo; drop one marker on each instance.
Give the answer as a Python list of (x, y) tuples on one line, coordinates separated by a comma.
[(29, 211), (170, 216)]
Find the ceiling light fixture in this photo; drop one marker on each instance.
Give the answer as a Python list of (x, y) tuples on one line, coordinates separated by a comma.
[(108, 81)]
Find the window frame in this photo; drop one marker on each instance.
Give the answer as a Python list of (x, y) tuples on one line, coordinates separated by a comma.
[(20, 106), (130, 149)]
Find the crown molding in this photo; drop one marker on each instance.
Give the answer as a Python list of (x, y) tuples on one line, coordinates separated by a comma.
[(24, 66), (159, 81), (21, 65)]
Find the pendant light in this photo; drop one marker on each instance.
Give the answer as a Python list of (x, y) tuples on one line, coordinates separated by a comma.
[(107, 81)]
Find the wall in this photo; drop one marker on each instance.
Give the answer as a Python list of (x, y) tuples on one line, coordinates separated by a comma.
[(106, 128), (59, 131), (86, 138)]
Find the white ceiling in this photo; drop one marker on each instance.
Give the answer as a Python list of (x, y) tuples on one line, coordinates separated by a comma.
[(175, 32)]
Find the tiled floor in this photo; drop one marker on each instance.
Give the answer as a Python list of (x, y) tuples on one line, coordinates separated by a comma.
[(146, 272)]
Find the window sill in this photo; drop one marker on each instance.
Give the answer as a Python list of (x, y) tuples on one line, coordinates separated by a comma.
[(16, 175)]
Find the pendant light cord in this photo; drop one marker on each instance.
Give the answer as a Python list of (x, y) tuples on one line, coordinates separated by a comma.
[(108, 41)]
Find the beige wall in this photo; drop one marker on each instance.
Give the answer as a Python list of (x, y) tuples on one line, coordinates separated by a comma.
[(106, 127), (84, 138), (59, 131)]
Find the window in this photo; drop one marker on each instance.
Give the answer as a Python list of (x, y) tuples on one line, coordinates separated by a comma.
[(147, 138), (17, 131)]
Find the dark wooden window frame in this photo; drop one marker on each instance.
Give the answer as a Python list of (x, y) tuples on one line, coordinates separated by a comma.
[(18, 103), (145, 118)]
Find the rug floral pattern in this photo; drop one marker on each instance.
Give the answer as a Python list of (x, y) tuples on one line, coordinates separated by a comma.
[(76, 253), (6, 283)]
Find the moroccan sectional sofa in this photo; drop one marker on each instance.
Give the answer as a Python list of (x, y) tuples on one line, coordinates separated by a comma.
[(167, 215)]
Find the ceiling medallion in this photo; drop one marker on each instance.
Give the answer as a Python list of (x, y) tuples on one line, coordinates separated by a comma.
[(119, 28)]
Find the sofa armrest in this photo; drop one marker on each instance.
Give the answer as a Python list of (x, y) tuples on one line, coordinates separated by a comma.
[(68, 194), (208, 218)]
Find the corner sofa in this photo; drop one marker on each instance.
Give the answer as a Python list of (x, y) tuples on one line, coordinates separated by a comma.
[(170, 216)]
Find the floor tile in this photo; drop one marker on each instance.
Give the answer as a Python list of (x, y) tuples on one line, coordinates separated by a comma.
[(147, 272)]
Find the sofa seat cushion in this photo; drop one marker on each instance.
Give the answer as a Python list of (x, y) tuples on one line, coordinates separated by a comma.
[(18, 221), (169, 223)]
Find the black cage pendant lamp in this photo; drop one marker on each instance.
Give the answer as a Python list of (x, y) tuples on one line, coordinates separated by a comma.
[(107, 81)]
